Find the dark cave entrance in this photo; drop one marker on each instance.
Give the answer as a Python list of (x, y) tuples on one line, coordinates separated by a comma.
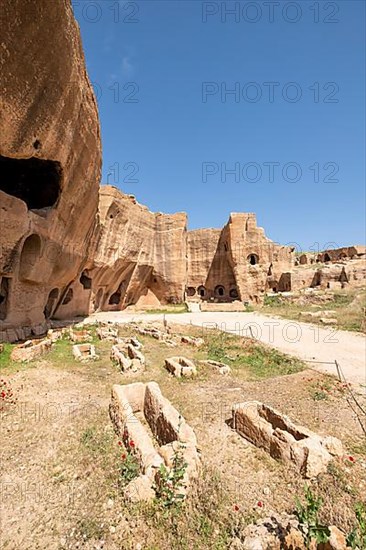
[(35, 181)]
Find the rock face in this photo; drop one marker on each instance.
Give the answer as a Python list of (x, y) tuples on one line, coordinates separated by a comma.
[(237, 262), (138, 257), (50, 159)]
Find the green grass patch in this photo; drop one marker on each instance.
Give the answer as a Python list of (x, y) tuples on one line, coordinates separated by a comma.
[(5, 361), (174, 308), (245, 356)]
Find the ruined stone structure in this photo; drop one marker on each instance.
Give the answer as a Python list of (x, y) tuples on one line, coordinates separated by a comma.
[(50, 158), (236, 263), (163, 433), (282, 439)]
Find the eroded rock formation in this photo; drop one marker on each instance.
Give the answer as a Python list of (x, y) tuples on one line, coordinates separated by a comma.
[(234, 263), (50, 158), (138, 257)]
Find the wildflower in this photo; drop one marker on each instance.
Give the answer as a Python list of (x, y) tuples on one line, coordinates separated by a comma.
[(260, 504), (123, 456), (351, 459), (132, 444), (3, 394), (236, 507), (120, 443)]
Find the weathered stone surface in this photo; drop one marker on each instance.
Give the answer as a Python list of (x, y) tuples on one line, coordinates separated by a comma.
[(180, 366), (50, 159), (30, 350), (134, 353), (138, 255), (79, 335), (198, 342), (237, 262), (221, 367), (84, 352), (269, 429), (282, 532), (107, 333), (118, 355), (167, 426)]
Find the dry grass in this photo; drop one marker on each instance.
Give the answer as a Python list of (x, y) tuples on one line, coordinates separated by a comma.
[(61, 459), (348, 306)]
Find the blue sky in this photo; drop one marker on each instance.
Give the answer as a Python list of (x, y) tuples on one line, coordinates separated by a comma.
[(292, 133)]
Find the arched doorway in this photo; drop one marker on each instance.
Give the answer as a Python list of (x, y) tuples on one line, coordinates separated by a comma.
[(29, 256), (219, 291), (201, 291)]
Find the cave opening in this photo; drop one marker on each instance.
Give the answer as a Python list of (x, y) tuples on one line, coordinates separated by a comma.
[(234, 293), (115, 298), (35, 181), (85, 281)]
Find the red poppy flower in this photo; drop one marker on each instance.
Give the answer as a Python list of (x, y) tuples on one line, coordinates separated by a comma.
[(132, 444), (260, 504), (120, 443), (2, 394), (236, 507), (351, 459), (123, 457)]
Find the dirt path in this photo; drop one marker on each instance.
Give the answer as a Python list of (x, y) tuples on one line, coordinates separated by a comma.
[(306, 341)]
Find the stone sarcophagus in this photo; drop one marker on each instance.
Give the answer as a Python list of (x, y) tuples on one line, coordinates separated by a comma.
[(282, 439), (162, 433)]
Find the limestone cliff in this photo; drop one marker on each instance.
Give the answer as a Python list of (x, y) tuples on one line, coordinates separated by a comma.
[(50, 159), (137, 257), (237, 262)]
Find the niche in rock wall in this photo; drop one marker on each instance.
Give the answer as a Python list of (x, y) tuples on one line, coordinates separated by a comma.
[(115, 298), (35, 181), (85, 281), (191, 291), (52, 297), (4, 297), (201, 291), (284, 284), (219, 291), (234, 293), (343, 276), (253, 259), (317, 279), (68, 297), (29, 256)]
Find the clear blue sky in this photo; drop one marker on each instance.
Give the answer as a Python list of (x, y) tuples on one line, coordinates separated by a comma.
[(149, 62)]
